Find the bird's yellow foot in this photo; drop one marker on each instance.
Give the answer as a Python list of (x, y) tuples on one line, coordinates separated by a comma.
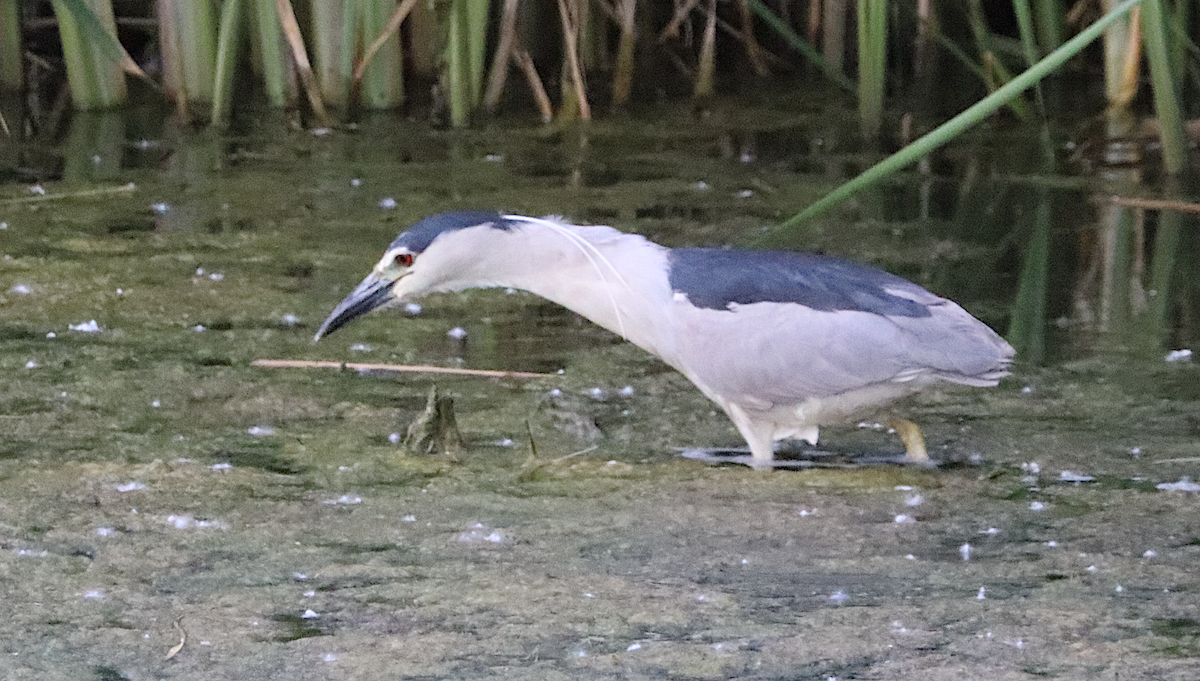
[(914, 441)]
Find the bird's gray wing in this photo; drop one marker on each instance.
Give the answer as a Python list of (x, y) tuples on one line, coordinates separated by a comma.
[(784, 353)]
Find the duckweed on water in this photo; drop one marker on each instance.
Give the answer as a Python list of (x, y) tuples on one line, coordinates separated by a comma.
[(151, 465)]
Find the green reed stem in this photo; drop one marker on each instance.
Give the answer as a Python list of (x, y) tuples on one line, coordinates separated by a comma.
[(228, 50), (383, 80), (196, 22), (950, 129), (997, 74), (1049, 22), (1180, 41), (1185, 47), (12, 75), (476, 44), (332, 38), (458, 89), (269, 44), (1166, 88), (1029, 46), (466, 42), (872, 64), (92, 53)]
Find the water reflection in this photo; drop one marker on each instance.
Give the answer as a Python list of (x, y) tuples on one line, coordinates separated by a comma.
[(1063, 273)]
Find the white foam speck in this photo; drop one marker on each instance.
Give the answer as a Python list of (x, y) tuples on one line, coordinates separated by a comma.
[(344, 500), (1185, 484), (1072, 476)]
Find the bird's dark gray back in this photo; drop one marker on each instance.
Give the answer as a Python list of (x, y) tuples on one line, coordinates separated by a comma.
[(713, 278)]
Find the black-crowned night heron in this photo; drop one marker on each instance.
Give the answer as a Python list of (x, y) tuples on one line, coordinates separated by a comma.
[(783, 342)]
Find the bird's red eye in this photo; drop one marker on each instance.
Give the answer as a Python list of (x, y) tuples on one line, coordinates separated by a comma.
[(403, 260)]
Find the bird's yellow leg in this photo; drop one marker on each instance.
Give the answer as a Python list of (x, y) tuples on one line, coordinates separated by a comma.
[(914, 441)]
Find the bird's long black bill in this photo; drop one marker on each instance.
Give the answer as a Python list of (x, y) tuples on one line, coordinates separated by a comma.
[(369, 295)]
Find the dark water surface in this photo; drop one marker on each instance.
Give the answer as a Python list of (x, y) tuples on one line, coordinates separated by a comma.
[(149, 473)]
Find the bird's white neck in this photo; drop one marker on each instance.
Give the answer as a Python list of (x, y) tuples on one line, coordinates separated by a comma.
[(617, 280)]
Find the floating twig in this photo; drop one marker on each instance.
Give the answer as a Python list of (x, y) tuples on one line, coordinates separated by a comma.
[(182, 639), (1154, 204), (574, 454), (532, 442), (359, 366), (81, 194)]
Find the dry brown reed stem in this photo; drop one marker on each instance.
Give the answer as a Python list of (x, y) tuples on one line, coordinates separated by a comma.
[(525, 62), (989, 71), (923, 48), (291, 30), (1078, 11), (502, 57), (393, 25), (833, 32), (622, 83), (1133, 61), (707, 65), (681, 13), (606, 6), (740, 35), (568, 12), (814, 21), (753, 51), (405, 368), (172, 60), (1152, 204)]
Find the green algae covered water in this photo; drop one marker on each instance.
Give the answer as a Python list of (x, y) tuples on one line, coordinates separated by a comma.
[(155, 488)]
